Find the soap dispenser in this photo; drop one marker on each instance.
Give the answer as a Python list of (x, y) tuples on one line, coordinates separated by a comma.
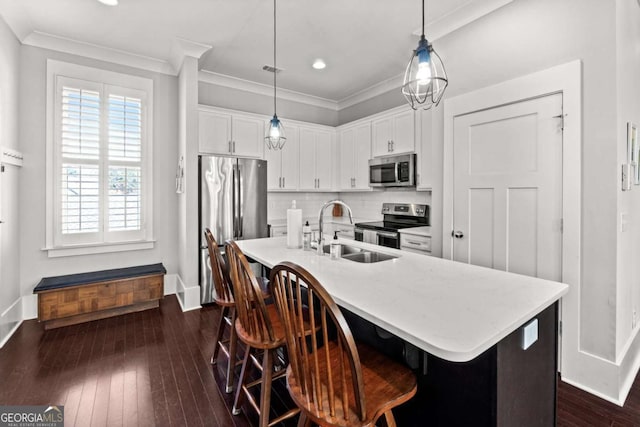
[(334, 249), (306, 236)]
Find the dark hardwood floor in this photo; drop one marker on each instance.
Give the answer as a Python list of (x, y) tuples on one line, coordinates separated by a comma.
[(152, 368)]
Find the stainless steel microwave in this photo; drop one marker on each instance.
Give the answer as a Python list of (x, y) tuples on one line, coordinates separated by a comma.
[(396, 171)]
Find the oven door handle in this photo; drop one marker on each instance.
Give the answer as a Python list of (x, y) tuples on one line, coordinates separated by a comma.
[(387, 234)]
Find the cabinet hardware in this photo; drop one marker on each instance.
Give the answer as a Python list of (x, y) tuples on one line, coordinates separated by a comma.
[(279, 182), (388, 146), (230, 147), (234, 146), (283, 184), (392, 145), (413, 243)]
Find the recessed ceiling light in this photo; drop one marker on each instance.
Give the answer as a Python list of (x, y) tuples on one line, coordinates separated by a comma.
[(109, 2), (319, 64)]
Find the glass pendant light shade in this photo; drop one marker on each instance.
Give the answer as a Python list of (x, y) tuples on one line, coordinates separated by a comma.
[(425, 78), (275, 137)]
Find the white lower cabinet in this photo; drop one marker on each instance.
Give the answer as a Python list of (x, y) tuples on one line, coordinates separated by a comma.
[(316, 159), (415, 243)]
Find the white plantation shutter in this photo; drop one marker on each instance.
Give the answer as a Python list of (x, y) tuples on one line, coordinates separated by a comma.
[(125, 167), (100, 166)]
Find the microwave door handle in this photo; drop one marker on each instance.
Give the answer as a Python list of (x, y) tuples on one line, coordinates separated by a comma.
[(396, 169)]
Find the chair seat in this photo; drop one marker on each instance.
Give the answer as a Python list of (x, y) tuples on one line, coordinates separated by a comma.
[(386, 385), (252, 340)]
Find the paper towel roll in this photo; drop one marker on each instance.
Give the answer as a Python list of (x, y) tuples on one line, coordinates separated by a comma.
[(294, 227)]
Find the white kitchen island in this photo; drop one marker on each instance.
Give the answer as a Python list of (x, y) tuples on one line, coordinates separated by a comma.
[(469, 320)]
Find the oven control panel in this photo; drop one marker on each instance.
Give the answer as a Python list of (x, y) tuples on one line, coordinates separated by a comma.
[(405, 209)]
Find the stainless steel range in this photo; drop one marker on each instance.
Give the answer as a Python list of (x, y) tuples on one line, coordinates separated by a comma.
[(396, 216)]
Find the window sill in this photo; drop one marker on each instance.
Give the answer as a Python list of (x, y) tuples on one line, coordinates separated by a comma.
[(99, 248)]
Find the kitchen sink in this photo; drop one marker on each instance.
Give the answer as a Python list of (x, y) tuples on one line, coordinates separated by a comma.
[(356, 254)]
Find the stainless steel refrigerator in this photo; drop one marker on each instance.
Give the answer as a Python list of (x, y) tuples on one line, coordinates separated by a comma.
[(233, 204)]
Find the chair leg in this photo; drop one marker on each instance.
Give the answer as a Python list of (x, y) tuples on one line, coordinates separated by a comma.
[(265, 387), (233, 345), (389, 419), (219, 335), (303, 421), (243, 374)]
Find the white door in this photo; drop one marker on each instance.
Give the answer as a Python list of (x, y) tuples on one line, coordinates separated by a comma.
[(290, 157), (324, 160), (248, 137), (382, 133), (346, 150), (214, 132), (403, 140), (307, 150), (507, 207), (361, 155)]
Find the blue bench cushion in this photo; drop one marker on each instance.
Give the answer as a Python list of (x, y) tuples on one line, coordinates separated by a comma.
[(58, 282)]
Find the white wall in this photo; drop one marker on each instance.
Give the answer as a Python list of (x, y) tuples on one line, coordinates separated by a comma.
[(9, 230), (32, 117), (628, 244)]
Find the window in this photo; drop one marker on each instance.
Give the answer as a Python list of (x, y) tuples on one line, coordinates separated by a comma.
[(98, 158)]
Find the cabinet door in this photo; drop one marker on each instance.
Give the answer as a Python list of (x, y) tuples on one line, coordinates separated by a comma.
[(274, 169), (307, 159), (382, 130), (403, 133), (247, 136), (346, 158), (290, 155), (324, 160), (214, 132), (425, 158), (361, 156)]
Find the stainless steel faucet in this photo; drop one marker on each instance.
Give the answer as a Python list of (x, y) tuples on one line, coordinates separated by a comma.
[(321, 214)]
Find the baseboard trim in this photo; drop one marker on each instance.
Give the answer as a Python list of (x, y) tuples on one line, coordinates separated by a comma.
[(188, 296), (592, 391), (10, 321), (170, 284)]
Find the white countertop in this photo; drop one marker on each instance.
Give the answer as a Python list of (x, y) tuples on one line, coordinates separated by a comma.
[(452, 310), (417, 231)]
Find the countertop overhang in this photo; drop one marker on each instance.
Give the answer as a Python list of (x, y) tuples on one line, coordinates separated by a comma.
[(452, 310)]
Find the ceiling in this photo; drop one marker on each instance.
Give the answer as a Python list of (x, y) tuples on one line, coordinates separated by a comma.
[(363, 42)]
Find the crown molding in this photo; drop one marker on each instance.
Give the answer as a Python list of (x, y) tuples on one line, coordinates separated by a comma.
[(458, 18), (263, 89), (182, 48), (75, 47)]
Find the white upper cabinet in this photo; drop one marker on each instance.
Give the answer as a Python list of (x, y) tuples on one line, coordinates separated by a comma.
[(425, 151), (282, 165), (230, 133), (354, 153), (316, 159), (394, 133)]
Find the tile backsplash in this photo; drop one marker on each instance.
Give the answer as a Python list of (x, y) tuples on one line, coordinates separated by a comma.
[(365, 205)]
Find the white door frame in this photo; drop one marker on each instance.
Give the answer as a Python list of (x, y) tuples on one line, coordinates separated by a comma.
[(565, 79)]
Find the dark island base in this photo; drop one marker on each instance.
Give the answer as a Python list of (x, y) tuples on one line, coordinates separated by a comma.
[(504, 386)]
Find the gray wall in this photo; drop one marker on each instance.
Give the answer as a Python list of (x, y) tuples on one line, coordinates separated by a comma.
[(35, 262), (9, 231), (235, 99)]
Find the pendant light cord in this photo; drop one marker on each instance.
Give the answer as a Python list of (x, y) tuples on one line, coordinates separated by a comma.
[(422, 17), (275, 68)]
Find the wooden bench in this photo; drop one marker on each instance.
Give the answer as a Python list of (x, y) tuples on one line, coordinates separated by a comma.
[(76, 298)]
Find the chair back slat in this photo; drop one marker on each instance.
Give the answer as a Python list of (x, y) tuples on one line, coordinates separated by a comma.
[(219, 272), (251, 310), (324, 367)]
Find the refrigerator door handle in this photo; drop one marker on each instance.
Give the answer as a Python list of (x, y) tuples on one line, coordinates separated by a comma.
[(234, 202), (240, 212)]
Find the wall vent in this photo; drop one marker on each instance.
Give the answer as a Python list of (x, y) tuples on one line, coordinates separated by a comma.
[(271, 69)]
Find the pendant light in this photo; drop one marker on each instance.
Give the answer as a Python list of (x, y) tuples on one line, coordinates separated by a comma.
[(275, 137), (425, 78)]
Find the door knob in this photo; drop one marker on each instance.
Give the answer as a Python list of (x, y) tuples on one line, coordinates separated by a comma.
[(457, 234)]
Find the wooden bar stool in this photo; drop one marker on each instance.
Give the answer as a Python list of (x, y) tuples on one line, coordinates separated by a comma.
[(333, 380), (258, 326), (224, 298)]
